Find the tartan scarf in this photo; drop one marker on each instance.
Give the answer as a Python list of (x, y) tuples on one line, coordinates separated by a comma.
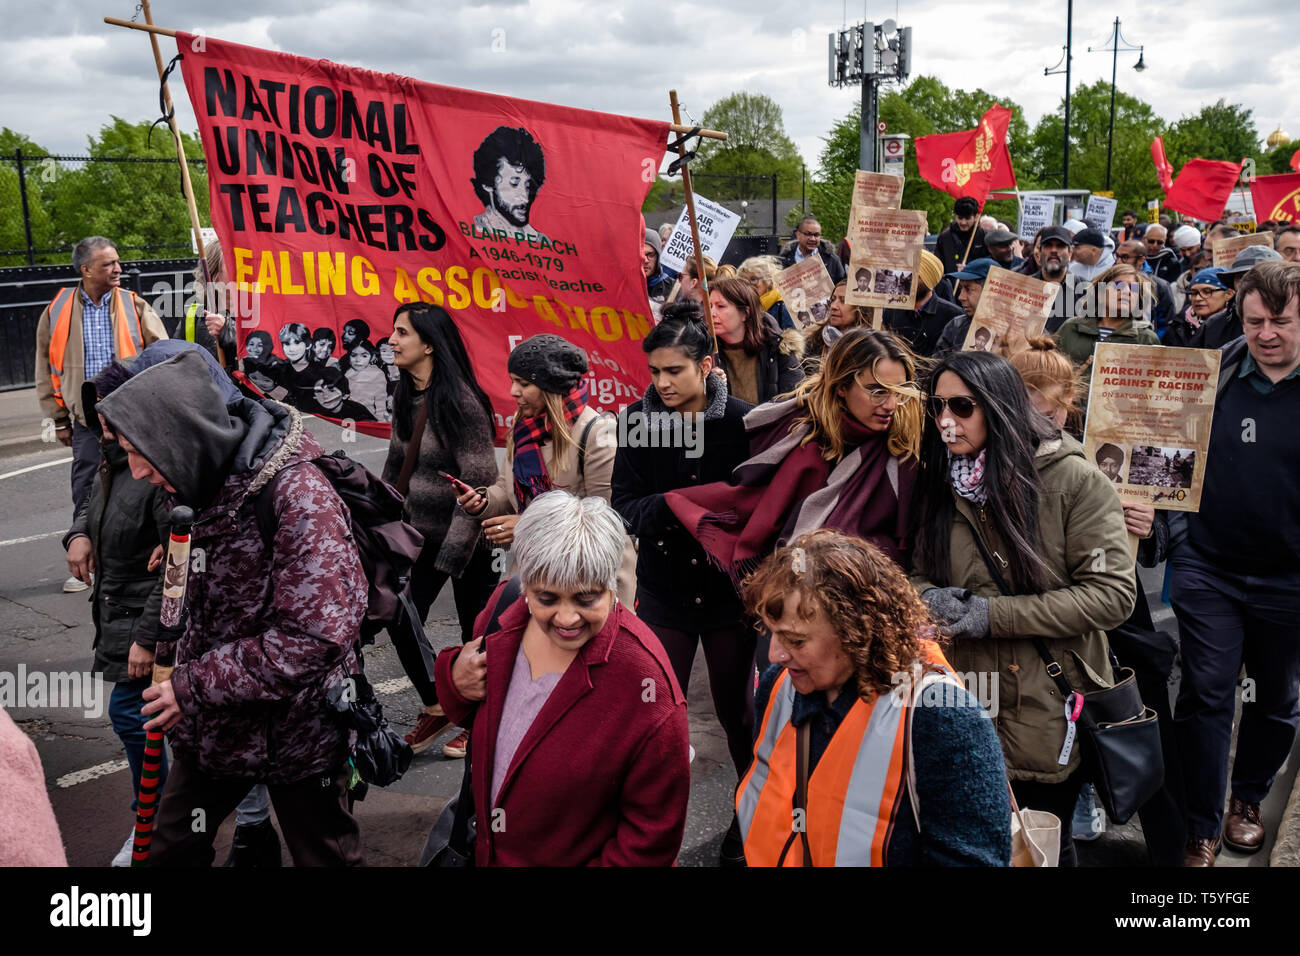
[(531, 478)]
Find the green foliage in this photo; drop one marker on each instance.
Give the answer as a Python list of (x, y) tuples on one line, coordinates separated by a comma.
[(1220, 131), (756, 147), (1277, 161)]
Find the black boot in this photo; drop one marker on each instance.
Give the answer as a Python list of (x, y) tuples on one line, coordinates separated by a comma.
[(257, 845), (733, 847)]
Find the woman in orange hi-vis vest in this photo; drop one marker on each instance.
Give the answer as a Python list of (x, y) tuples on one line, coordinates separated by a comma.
[(869, 751)]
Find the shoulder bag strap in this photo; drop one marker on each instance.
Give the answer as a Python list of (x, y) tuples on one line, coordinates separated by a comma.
[(1054, 670), (413, 449), (582, 449)]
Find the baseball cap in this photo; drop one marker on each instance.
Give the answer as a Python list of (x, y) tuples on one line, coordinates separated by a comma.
[(976, 269), (1209, 277), (1090, 237), (1059, 233)]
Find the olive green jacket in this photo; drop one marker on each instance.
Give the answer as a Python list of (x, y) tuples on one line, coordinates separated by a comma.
[(1078, 337), (1087, 549)]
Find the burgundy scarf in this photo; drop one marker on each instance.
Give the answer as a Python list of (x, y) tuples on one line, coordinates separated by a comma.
[(529, 465), (784, 490)]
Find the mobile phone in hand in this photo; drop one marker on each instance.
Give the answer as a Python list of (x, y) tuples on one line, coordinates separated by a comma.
[(454, 480)]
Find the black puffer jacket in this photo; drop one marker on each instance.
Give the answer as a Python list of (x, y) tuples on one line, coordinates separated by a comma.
[(676, 585), (125, 519)]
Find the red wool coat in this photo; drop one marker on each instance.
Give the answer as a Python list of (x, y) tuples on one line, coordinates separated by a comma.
[(602, 776)]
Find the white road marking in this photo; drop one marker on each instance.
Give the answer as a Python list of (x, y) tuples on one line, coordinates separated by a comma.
[(23, 471), (31, 537), (90, 773)]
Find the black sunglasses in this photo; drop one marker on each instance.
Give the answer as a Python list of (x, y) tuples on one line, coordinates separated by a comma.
[(961, 405)]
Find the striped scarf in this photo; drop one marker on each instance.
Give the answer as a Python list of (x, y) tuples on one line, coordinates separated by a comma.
[(531, 478)]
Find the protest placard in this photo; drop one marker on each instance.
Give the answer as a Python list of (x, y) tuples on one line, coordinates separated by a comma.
[(1101, 213), (1037, 210), (875, 191), (886, 254), (1225, 250), (1012, 308), (716, 224), (806, 289), (1150, 408)]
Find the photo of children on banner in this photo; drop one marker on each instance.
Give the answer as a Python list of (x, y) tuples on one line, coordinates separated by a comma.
[(806, 289), (1012, 309), (885, 246), (1162, 467), (1110, 459)]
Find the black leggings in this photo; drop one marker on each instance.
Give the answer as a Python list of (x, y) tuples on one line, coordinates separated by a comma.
[(471, 591), (729, 654), (1057, 798)]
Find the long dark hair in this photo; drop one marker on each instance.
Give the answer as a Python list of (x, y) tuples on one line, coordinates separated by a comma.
[(452, 374), (1011, 481), (681, 327)]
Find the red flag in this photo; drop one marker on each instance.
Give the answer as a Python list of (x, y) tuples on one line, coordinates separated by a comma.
[(1295, 161), (1203, 187), (339, 194), (1276, 198), (1164, 172), (971, 162)]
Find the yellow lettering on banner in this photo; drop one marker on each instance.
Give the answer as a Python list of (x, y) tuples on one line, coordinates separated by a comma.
[(287, 286), (267, 280), (485, 285), (403, 288), (309, 270), (516, 301), (542, 306), (460, 297), (606, 324), (333, 273), (243, 268), (637, 326), (364, 279), (426, 278)]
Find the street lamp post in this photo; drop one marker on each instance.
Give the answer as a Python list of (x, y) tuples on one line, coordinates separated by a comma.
[(1051, 71), (1114, 50)]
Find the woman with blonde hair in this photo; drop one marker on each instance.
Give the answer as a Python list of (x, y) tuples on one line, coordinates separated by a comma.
[(760, 272), (839, 452), (1117, 308), (863, 725), (689, 288)]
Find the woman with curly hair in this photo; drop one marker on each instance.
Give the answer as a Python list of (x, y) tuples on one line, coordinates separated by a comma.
[(760, 272), (885, 757), (1017, 536)]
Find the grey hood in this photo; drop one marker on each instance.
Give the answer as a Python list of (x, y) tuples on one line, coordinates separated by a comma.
[(176, 417)]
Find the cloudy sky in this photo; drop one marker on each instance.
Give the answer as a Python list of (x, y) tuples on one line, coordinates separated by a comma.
[(63, 72)]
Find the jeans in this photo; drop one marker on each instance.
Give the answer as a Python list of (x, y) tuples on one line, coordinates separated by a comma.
[(128, 723), (1227, 618)]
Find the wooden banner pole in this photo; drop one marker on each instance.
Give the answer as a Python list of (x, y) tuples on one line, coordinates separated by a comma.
[(695, 228)]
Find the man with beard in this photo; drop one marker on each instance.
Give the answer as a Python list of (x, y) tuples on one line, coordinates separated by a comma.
[(1054, 245), (509, 169)]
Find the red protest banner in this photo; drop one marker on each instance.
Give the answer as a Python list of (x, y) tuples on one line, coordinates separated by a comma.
[(1276, 197), (1202, 188), (339, 193), (970, 162)]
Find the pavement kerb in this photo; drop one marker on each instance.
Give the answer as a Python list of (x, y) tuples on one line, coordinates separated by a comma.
[(1286, 849)]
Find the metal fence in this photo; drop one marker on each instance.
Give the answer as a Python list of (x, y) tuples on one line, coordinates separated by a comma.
[(48, 203)]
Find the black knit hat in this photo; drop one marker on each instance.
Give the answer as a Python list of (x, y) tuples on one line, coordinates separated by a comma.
[(551, 363)]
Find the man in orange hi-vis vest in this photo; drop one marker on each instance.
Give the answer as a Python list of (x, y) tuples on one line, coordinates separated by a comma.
[(80, 333)]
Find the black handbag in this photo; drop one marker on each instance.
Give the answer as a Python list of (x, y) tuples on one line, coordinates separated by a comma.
[(1120, 734), (450, 843)]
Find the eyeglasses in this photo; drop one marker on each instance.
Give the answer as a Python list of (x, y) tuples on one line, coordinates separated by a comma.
[(1204, 292), (1119, 285), (811, 235), (963, 406), (879, 394)]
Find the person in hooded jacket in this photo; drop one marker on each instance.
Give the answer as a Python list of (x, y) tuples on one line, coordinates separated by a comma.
[(956, 244), (1000, 479), (680, 595), (658, 285), (1117, 306), (272, 624)]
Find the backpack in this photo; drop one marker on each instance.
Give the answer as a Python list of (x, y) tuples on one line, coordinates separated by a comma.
[(387, 543)]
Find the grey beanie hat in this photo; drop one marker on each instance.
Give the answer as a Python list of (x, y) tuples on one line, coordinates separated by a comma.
[(551, 363)]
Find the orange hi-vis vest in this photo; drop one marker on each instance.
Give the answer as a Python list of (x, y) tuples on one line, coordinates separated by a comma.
[(853, 793), (128, 337)]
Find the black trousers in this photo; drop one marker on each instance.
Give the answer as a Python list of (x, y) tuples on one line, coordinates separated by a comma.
[(85, 463), (1057, 798), (729, 654), (471, 591), (318, 827)]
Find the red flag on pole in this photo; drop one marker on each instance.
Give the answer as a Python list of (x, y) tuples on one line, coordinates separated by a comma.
[(1295, 161), (1277, 197), (971, 162), (1164, 171), (1203, 187)]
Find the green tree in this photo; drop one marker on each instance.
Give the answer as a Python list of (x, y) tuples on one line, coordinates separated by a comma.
[(1133, 176), (1220, 131), (755, 148), (13, 229)]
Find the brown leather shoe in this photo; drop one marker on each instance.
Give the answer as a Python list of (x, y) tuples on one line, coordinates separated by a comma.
[(1201, 851), (1242, 829)]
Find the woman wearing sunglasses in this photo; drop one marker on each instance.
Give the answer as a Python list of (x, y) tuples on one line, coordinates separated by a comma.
[(1117, 309), (1016, 536), (839, 453)]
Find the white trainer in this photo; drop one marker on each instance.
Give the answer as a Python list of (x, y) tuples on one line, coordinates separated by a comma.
[(123, 857)]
